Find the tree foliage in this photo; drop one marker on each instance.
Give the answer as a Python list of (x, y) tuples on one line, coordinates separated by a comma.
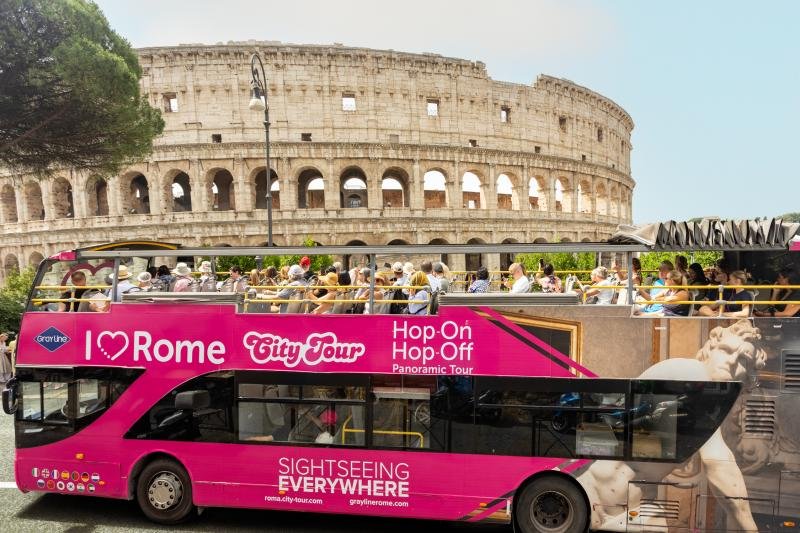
[(69, 90), (561, 261), (248, 262), (12, 298), (790, 217), (651, 260)]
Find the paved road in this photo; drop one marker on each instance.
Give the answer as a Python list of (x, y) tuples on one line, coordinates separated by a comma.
[(81, 514)]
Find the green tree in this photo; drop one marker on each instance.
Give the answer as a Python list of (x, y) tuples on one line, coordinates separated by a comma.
[(651, 260), (561, 261), (12, 298), (248, 262), (791, 217), (69, 90)]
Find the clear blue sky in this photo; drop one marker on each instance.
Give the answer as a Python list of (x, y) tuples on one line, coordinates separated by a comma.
[(713, 86)]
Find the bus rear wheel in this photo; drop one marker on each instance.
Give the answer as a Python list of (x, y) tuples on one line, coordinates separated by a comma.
[(551, 505), (164, 492)]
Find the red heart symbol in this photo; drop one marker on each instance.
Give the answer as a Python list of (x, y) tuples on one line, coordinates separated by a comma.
[(92, 269), (112, 343)]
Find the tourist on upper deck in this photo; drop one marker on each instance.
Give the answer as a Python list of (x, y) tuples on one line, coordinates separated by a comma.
[(598, 292), (698, 277), (418, 299), (397, 273), (672, 296), (650, 294), (183, 278), (124, 284), (144, 282), (433, 281), (549, 282), (521, 284), (786, 276), (305, 264), (269, 276), (481, 284), (380, 296), (440, 273), (207, 282), (79, 281), (731, 309), (296, 277), (235, 282), (682, 266), (325, 293), (163, 278)]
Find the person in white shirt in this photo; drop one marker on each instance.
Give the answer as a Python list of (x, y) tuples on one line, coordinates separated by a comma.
[(123, 282), (521, 282), (596, 294)]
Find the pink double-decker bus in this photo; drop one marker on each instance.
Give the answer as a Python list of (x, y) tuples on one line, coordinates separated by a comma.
[(537, 410)]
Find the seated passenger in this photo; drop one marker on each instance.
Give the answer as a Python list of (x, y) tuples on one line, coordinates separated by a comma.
[(731, 309), (786, 276), (297, 283), (235, 282), (549, 281), (598, 293), (418, 298), (481, 284), (324, 295), (672, 296), (381, 308), (79, 281), (207, 282), (650, 294), (520, 284), (144, 283), (698, 277), (183, 278)]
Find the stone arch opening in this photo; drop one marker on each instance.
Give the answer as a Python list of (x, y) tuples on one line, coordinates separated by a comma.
[(539, 240), (471, 191), (10, 264), (434, 191), (537, 197), (137, 196), (563, 195), (8, 199), (507, 259), (353, 188), (310, 189), (601, 197), (180, 192), (566, 239), (33, 200), (505, 193), (35, 258), (223, 196), (260, 182), (444, 258), (394, 188), (355, 260), (97, 196), (473, 262), (583, 197), (63, 203), (397, 242)]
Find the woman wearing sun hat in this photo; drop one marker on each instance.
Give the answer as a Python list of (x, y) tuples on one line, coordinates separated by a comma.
[(124, 285), (324, 297)]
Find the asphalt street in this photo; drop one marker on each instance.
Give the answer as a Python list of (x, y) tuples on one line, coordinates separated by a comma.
[(36, 512)]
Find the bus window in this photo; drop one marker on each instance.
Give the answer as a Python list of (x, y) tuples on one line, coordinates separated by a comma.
[(410, 414), (92, 396), (655, 426), (31, 401), (65, 285)]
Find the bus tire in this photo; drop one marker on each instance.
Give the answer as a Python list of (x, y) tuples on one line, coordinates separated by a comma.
[(164, 492), (551, 504)]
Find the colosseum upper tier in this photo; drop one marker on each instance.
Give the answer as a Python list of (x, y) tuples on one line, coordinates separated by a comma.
[(371, 146)]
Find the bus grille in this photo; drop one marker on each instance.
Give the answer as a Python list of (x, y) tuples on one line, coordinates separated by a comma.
[(791, 372), (759, 418), (666, 509)]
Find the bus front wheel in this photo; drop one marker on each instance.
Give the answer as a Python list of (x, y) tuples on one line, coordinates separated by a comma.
[(551, 505), (164, 492)]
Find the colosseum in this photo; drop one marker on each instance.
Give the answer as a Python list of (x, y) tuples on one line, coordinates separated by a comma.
[(368, 146)]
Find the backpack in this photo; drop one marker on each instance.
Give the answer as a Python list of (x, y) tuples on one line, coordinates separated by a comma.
[(398, 308)]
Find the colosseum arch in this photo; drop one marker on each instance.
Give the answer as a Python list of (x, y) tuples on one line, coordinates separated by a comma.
[(507, 259), (353, 188), (473, 262), (434, 184), (97, 196), (537, 193), (61, 198), (472, 194), (601, 199), (221, 185), (395, 188), (539, 240), (398, 242), (563, 195), (135, 193), (34, 259), (8, 199), (444, 258), (355, 260), (310, 189), (260, 185), (178, 191), (506, 197), (10, 264), (583, 197), (33, 200)]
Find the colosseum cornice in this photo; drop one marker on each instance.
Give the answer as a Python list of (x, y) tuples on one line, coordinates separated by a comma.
[(570, 88)]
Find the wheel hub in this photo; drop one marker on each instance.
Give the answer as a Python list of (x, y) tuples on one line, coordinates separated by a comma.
[(552, 511), (165, 491)]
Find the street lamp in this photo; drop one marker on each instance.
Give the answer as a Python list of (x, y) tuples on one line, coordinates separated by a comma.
[(258, 102)]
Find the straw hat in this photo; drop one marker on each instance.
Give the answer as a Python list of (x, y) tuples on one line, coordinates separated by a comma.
[(123, 273), (330, 279), (182, 270)]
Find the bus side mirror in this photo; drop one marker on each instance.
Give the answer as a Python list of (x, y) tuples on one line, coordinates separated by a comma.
[(11, 397)]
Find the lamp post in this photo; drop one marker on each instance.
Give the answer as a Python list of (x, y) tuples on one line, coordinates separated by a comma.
[(258, 90)]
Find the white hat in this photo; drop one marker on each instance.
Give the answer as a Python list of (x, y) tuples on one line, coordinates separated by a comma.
[(408, 269), (182, 270), (144, 277), (296, 271), (205, 267), (397, 267), (123, 273)]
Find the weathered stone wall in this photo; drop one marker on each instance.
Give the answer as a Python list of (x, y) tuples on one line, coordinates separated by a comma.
[(572, 143)]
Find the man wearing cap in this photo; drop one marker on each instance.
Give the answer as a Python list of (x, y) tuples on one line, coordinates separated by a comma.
[(305, 264), (123, 283), (296, 279)]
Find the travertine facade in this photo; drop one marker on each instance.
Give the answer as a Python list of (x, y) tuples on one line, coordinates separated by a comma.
[(367, 145)]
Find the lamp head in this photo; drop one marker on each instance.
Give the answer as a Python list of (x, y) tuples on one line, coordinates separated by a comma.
[(257, 100)]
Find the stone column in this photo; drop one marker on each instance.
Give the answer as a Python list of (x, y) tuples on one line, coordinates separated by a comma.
[(490, 188), (520, 192), (242, 191), (331, 188), (155, 190), (288, 185), (374, 194), (79, 193), (114, 196), (416, 189)]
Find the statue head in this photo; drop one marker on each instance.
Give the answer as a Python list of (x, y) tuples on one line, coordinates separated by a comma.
[(731, 355)]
